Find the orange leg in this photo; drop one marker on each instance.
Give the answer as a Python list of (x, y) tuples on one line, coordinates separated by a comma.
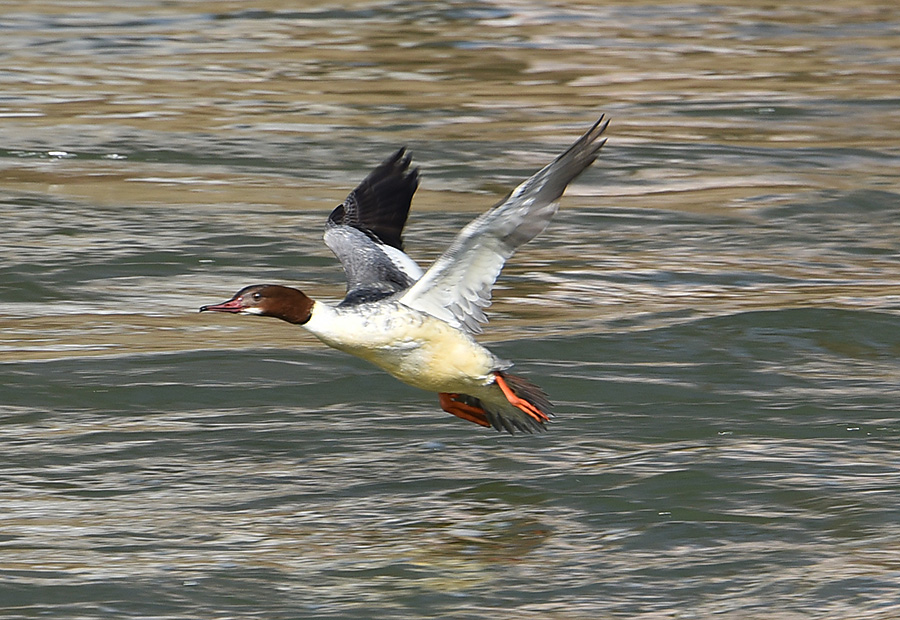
[(521, 403), (462, 410)]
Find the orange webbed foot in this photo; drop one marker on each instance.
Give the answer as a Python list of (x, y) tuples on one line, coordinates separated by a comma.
[(519, 403), (450, 404)]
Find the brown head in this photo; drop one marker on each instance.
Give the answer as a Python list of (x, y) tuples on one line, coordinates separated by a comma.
[(281, 302)]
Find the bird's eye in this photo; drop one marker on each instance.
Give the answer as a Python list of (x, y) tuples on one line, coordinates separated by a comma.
[(256, 296)]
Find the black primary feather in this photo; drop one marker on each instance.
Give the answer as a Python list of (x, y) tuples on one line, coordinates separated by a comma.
[(379, 206)]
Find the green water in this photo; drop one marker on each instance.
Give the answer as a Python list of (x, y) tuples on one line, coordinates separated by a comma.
[(714, 313)]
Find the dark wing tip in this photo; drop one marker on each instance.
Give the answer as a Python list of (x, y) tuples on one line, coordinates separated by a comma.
[(575, 160), (336, 218), (379, 206), (587, 146)]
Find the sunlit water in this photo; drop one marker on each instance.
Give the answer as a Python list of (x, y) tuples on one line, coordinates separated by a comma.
[(714, 311)]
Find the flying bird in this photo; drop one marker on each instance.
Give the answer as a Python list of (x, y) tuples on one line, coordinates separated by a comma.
[(419, 326)]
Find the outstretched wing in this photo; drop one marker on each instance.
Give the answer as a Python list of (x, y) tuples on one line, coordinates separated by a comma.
[(458, 285), (365, 232)]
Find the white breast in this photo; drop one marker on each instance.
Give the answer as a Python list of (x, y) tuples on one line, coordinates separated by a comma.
[(413, 346)]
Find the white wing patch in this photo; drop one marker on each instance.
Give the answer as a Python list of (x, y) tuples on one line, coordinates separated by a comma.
[(457, 287)]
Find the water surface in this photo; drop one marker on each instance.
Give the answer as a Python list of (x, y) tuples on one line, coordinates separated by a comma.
[(714, 311)]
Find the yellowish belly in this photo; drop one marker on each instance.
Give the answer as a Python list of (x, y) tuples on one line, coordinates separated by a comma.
[(414, 347)]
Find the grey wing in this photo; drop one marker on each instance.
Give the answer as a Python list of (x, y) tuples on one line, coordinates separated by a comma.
[(365, 232), (458, 285)]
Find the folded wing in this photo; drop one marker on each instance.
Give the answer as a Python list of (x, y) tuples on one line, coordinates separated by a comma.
[(458, 285), (365, 232)]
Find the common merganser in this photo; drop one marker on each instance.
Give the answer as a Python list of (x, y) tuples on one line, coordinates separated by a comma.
[(419, 326)]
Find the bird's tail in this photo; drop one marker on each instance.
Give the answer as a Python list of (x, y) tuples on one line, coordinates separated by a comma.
[(522, 406)]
